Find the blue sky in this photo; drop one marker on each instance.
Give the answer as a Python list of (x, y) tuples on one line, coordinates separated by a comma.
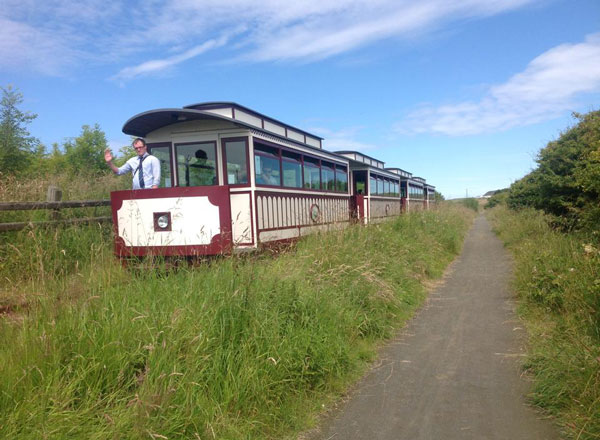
[(463, 93)]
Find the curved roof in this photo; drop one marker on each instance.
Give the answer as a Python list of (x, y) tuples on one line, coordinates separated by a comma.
[(143, 123)]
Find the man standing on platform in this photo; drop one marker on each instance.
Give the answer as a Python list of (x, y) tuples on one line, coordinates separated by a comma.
[(144, 167)]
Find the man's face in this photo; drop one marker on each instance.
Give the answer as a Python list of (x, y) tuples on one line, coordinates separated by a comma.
[(140, 148)]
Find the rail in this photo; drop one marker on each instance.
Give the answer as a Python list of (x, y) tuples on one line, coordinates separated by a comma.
[(53, 203)]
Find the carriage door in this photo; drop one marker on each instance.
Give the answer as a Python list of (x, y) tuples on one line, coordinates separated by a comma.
[(236, 174), (359, 189)]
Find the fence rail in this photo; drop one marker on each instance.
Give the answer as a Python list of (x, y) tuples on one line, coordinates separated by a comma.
[(55, 204), (5, 227), (26, 206)]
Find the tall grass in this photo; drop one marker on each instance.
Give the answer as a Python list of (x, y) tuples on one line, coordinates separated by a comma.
[(243, 347), (81, 187), (558, 280)]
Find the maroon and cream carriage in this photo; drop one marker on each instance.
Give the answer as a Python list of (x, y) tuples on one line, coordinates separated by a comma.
[(415, 192), (234, 179), (375, 189), (231, 179)]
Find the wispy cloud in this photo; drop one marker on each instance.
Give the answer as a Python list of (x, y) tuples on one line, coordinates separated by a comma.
[(161, 35), (547, 88), (154, 66), (343, 139)]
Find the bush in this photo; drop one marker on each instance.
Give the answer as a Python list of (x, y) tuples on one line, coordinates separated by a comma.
[(566, 183)]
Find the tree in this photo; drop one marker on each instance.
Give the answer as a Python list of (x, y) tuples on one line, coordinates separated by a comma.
[(565, 183), (85, 153), (17, 146)]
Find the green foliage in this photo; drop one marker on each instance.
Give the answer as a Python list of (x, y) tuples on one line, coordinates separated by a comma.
[(243, 347), (85, 153), (566, 181), (17, 146), (557, 277), (21, 153), (499, 198), (438, 197), (471, 203)]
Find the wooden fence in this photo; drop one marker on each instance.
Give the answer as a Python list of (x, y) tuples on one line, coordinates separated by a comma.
[(53, 202)]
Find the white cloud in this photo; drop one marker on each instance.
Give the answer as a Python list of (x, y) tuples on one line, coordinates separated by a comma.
[(85, 31), (547, 88), (343, 139), (15, 37), (153, 66)]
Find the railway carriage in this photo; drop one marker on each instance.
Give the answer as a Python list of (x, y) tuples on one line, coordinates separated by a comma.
[(430, 195), (375, 189), (233, 179)]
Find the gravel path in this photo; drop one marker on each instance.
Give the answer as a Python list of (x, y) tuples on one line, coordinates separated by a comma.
[(453, 372)]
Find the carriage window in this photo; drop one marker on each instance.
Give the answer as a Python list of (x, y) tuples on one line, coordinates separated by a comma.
[(328, 176), (372, 185), (387, 191), (292, 170), (403, 190), (312, 175), (395, 189), (341, 179), (237, 167), (266, 165), (196, 164), (163, 154), (380, 186)]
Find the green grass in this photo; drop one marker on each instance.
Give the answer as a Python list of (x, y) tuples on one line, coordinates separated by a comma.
[(558, 282), (469, 202), (245, 347)]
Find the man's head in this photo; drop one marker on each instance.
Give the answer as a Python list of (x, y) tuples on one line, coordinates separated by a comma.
[(140, 147)]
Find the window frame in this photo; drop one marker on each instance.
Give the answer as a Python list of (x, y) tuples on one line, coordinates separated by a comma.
[(224, 156), (258, 152), (169, 146), (299, 160), (214, 144)]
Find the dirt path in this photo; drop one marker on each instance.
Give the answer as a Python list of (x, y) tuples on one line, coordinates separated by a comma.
[(453, 373)]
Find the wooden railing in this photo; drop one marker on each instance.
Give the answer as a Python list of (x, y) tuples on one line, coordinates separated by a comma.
[(53, 203)]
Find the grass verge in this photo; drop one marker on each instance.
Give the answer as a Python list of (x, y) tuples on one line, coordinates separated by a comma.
[(558, 282), (238, 348)]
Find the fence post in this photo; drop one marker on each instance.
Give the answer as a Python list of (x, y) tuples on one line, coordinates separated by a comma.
[(54, 194)]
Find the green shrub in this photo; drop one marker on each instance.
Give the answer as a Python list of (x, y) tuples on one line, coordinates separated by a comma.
[(566, 182), (558, 282)]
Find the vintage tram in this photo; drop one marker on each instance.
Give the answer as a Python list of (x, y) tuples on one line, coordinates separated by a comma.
[(233, 179)]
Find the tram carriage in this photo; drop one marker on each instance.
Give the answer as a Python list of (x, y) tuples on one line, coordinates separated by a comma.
[(233, 179), (375, 189)]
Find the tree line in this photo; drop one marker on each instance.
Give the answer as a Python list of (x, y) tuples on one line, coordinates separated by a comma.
[(566, 182), (22, 154)]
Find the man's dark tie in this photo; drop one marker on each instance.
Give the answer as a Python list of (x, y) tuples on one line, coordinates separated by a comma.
[(141, 173)]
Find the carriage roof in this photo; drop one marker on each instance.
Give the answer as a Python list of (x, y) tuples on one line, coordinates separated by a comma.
[(146, 122)]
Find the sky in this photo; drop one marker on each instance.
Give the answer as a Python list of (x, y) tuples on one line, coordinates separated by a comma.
[(462, 93)]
